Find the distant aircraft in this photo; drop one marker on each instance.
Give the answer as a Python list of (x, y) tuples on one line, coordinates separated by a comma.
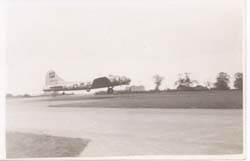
[(54, 83)]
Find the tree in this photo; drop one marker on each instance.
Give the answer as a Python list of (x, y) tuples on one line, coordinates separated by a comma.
[(238, 83), (222, 81), (157, 80), (185, 83)]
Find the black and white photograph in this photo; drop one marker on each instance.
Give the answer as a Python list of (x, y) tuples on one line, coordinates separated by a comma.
[(125, 79)]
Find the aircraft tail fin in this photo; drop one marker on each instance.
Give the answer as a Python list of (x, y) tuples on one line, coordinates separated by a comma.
[(53, 79)]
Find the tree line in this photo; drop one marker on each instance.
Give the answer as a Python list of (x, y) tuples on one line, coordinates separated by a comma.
[(185, 82)]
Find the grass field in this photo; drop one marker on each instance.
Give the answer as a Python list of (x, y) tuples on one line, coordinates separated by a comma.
[(28, 145), (198, 99)]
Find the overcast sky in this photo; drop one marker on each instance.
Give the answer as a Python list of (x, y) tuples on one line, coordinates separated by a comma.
[(89, 39)]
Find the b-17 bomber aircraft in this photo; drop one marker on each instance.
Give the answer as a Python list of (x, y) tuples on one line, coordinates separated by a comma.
[(54, 83)]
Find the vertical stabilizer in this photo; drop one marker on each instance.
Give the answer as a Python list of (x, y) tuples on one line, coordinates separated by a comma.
[(52, 79)]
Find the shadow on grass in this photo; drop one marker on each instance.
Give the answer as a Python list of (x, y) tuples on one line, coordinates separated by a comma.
[(28, 145)]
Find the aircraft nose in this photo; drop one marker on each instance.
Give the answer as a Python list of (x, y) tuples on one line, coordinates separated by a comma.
[(126, 80), (129, 80)]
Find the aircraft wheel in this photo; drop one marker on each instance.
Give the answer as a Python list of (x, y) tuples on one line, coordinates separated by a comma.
[(110, 91)]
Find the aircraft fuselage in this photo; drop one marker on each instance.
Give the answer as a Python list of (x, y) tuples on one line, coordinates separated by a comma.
[(101, 82)]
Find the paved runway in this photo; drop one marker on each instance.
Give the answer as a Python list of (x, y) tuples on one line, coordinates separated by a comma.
[(121, 131)]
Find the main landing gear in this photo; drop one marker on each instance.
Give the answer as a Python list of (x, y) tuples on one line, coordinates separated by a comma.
[(110, 90)]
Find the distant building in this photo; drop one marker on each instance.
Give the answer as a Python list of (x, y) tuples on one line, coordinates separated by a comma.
[(135, 89)]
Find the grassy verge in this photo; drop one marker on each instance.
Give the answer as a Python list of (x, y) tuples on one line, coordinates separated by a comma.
[(202, 99), (27, 145)]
